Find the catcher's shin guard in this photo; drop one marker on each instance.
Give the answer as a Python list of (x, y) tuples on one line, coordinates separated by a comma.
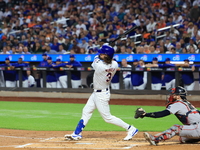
[(168, 134), (79, 127)]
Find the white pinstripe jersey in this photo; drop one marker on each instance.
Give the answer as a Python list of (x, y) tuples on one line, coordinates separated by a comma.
[(103, 73)]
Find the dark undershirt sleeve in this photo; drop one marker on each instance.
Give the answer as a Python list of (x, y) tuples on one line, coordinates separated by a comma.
[(158, 114)]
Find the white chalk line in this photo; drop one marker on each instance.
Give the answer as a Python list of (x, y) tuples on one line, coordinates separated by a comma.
[(9, 146), (28, 144), (18, 137), (22, 146), (85, 143), (44, 140), (128, 147)]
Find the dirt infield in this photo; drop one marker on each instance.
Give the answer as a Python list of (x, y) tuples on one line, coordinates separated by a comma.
[(40, 140)]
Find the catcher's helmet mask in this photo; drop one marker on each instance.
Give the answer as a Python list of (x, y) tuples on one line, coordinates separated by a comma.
[(176, 91)]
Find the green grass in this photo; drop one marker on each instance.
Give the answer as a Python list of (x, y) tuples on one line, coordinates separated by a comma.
[(63, 116)]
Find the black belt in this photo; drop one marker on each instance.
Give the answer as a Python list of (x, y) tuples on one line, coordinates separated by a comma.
[(101, 90)]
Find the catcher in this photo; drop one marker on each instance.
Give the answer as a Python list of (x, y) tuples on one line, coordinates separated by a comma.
[(178, 105)]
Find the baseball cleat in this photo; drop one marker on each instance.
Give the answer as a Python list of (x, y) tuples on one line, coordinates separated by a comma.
[(73, 136), (131, 133), (149, 138)]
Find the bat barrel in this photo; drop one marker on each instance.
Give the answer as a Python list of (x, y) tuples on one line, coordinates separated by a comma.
[(122, 35)]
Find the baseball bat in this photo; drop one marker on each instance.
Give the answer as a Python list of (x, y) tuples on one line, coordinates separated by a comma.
[(125, 33)]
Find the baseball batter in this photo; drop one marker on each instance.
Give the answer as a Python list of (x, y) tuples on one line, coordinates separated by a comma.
[(105, 68), (178, 105)]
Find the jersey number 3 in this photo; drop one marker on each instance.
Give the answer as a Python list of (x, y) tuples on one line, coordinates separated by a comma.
[(109, 75)]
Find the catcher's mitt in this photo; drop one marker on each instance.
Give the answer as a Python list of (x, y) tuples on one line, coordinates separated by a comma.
[(139, 113)]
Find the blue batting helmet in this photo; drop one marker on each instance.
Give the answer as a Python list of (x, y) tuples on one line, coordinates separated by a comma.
[(108, 50)]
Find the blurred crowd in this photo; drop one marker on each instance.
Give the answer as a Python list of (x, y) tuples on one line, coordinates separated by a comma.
[(82, 26)]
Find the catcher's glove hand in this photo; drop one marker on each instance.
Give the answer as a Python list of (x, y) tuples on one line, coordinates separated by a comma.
[(139, 113)]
